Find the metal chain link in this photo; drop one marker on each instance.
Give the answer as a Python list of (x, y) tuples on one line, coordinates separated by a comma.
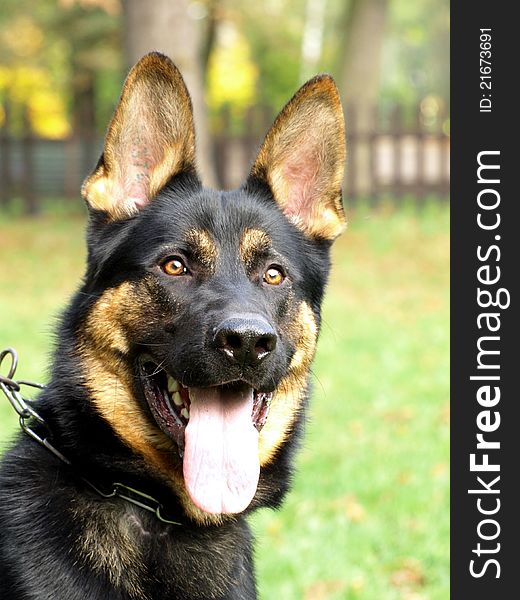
[(26, 413)]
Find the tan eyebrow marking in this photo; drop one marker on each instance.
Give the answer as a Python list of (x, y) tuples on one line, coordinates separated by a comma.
[(253, 242), (204, 247)]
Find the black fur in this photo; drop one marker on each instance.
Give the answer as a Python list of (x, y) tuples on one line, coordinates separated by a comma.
[(45, 505)]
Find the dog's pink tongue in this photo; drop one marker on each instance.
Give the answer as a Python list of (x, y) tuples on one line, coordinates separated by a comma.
[(221, 464)]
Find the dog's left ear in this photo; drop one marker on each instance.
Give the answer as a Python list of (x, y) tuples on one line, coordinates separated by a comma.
[(150, 139), (302, 159)]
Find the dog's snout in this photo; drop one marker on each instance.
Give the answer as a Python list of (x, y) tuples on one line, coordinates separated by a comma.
[(245, 340)]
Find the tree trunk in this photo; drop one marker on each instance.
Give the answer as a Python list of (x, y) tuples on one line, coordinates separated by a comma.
[(364, 34), (168, 26), (364, 29), (312, 39), (6, 188), (84, 115)]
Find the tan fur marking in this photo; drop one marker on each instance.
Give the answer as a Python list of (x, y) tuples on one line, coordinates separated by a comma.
[(108, 543), (110, 380), (204, 247), (289, 395), (252, 243), (302, 159), (105, 325)]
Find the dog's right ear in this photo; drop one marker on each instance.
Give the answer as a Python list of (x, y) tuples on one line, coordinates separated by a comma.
[(150, 139)]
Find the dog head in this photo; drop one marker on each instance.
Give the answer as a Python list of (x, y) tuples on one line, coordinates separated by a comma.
[(203, 307)]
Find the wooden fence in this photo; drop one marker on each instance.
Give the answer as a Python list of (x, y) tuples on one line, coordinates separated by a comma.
[(392, 153), (398, 154)]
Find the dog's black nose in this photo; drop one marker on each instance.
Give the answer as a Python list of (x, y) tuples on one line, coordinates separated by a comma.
[(245, 340)]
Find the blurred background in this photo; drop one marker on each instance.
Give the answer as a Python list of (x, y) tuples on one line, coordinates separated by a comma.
[(62, 63), (368, 517)]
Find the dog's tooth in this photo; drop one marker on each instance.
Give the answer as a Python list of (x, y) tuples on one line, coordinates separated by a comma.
[(177, 400), (185, 413), (173, 384)]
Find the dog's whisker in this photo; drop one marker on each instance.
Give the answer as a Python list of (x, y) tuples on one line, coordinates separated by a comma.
[(315, 377), (158, 368)]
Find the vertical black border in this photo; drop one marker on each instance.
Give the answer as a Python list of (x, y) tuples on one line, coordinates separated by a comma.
[(473, 131)]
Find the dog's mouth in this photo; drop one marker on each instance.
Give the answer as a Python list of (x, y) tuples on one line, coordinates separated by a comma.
[(216, 431)]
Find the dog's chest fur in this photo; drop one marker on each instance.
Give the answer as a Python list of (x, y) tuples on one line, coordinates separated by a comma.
[(149, 561)]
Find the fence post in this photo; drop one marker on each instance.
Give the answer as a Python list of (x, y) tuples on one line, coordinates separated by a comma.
[(444, 155), (396, 129), (253, 125), (6, 187), (220, 151), (72, 161), (28, 191), (420, 135), (352, 140), (372, 146)]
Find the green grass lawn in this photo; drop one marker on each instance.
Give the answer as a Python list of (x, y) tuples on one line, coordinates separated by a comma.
[(368, 516)]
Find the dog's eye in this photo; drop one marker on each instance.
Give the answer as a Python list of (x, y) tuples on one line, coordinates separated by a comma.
[(274, 275), (174, 266)]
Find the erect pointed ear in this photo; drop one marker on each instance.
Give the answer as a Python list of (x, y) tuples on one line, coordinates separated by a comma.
[(150, 138), (302, 159)]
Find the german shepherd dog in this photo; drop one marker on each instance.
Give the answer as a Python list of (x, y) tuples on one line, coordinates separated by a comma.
[(182, 364)]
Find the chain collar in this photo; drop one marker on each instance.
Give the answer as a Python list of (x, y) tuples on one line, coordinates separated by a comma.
[(28, 416)]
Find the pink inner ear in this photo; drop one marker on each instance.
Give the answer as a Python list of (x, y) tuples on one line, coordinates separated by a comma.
[(301, 173), (135, 176)]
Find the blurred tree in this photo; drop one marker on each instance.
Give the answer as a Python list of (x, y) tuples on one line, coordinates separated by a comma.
[(231, 77), (312, 40), (26, 79), (94, 48), (173, 27), (416, 52), (274, 32), (63, 58), (210, 34), (364, 28), (56, 55)]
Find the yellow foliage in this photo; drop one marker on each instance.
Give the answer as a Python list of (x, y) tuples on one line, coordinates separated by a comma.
[(23, 81), (47, 114), (33, 87), (5, 77), (232, 75)]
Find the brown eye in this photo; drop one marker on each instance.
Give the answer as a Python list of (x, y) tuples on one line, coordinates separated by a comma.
[(174, 267), (274, 276)]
